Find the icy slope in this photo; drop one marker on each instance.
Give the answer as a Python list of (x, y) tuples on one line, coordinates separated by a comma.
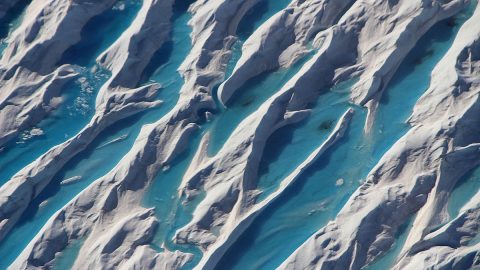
[(318, 164)]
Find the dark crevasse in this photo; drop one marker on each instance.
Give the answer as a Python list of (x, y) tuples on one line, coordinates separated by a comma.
[(74, 113), (318, 195), (257, 15)]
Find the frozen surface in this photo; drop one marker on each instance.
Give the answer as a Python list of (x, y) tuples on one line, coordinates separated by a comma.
[(239, 134)]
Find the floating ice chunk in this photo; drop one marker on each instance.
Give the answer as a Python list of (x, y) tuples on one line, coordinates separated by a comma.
[(120, 6), (36, 132), (29, 134), (339, 182), (55, 102), (42, 204), (71, 180), (119, 139)]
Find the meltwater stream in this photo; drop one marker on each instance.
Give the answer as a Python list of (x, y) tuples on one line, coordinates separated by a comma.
[(173, 212), (256, 90), (78, 97), (77, 108), (74, 113), (421, 61), (314, 199), (249, 97), (318, 195), (466, 188), (10, 22), (111, 145)]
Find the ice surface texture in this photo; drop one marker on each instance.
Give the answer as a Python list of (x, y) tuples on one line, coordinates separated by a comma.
[(239, 134)]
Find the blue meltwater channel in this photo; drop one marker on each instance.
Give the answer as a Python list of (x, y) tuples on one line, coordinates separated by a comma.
[(318, 195), (170, 209), (313, 200), (74, 113)]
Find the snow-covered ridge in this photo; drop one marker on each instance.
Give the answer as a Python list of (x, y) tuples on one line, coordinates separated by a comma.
[(415, 175), (363, 41), (32, 54)]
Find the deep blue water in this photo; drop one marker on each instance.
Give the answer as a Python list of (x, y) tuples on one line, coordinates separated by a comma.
[(67, 258), (314, 198), (74, 113), (256, 90), (247, 100), (466, 189), (174, 212), (10, 22), (421, 61), (311, 201)]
